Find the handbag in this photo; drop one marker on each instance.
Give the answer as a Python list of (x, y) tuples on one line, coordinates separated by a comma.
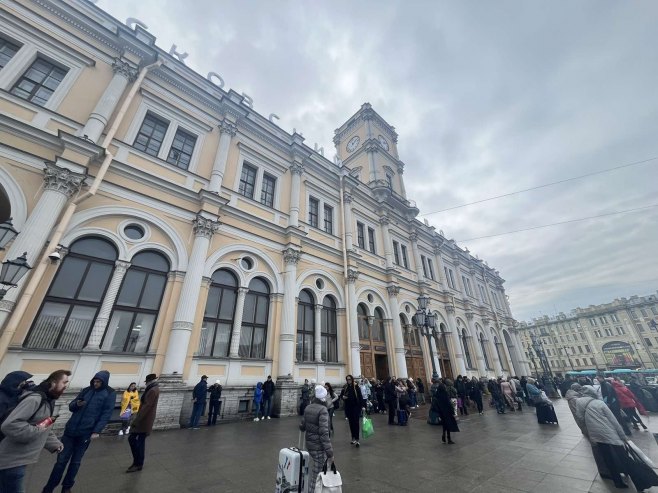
[(126, 414), (642, 475), (328, 482), (367, 429)]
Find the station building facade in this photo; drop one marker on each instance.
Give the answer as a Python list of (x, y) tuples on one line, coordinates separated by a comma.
[(174, 230)]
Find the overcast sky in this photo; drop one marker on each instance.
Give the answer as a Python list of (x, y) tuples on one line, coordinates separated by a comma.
[(487, 98)]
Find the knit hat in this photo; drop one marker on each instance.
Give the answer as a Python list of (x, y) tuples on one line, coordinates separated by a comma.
[(320, 392)]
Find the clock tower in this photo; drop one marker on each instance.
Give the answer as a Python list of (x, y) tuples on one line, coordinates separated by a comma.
[(367, 145)]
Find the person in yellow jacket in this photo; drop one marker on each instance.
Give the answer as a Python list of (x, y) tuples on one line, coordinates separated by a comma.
[(129, 407)]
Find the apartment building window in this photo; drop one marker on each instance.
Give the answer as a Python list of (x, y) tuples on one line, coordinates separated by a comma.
[(634, 315), (389, 181), (430, 268), (580, 349), (423, 260), (592, 361), (396, 252), (495, 299), (582, 337), (313, 211), (483, 296), (639, 327), (7, 51), (593, 323), (361, 235), (587, 349), (608, 332), (597, 333), (371, 240), (247, 181), (648, 341), (449, 277), (613, 317), (620, 330), (267, 190), (182, 148), (467, 285), (577, 362), (644, 312), (39, 81), (405, 260), (654, 310), (603, 320), (328, 219), (151, 134)]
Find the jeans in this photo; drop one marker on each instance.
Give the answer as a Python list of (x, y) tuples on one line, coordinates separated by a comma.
[(74, 450), (137, 443), (213, 411), (197, 410), (11, 480), (258, 409), (267, 406), (413, 401)]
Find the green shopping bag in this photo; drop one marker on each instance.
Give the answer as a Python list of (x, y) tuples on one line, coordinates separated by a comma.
[(367, 429)]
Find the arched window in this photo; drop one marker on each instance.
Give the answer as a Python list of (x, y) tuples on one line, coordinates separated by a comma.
[(362, 317), (378, 326), (218, 317), (137, 305), (329, 330), (305, 326), (483, 346), (497, 344), (75, 296), (467, 351), (254, 320)]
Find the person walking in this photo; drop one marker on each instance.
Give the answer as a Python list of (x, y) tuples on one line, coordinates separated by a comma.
[(452, 393), (379, 394), (421, 390), (461, 396), (215, 391), (11, 388), (305, 399), (604, 430), (476, 395), (258, 401), (268, 394), (90, 412), (612, 401), (354, 406), (333, 404), (629, 404), (129, 407), (28, 430), (143, 423), (509, 394), (446, 413), (391, 400), (316, 424), (199, 402)]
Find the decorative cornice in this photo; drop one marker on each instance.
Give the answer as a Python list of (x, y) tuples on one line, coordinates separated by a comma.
[(352, 275), (393, 291), (205, 227), (125, 68), (226, 127), (296, 168), (62, 180), (291, 256)]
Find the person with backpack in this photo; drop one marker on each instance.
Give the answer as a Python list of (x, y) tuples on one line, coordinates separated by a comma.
[(90, 412), (11, 388), (27, 429), (213, 409), (129, 407)]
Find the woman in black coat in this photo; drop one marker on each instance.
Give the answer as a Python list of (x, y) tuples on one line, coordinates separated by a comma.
[(444, 407), (354, 405)]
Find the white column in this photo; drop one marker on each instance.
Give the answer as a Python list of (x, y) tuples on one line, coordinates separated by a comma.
[(519, 354), (226, 131), (434, 349), (179, 339), (371, 148), (492, 347), (317, 336), (347, 210), (124, 72), (458, 355), (288, 319), (508, 356), (237, 323), (398, 339), (404, 194), (355, 352), (417, 260), (120, 269), (482, 368), (60, 184), (388, 244), (440, 265), (296, 170)]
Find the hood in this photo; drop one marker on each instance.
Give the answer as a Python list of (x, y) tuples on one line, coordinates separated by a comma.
[(259, 385), (617, 384), (103, 376), (13, 379)]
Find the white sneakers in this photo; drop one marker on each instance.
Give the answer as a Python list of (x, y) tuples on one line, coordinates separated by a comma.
[(120, 432), (269, 417), (127, 430), (256, 419)]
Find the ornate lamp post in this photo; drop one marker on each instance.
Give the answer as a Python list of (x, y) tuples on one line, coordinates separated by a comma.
[(426, 323), (12, 272), (547, 374), (7, 233)]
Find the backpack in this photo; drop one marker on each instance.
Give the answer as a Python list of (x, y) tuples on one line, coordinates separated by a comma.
[(6, 414)]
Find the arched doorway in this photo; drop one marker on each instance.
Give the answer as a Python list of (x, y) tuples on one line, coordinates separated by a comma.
[(372, 342), (441, 341), (412, 350)]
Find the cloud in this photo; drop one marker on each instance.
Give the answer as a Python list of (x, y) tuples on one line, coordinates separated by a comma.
[(487, 98)]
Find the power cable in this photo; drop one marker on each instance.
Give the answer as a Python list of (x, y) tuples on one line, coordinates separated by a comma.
[(628, 165), (561, 222)]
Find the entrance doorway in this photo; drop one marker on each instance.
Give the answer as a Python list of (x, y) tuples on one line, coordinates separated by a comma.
[(374, 360), (381, 367)]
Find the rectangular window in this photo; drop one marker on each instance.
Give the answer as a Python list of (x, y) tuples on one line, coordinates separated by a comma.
[(39, 81), (313, 211), (644, 312), (247, 181), (182, 148), (396, 252), (469, 291), (329, 219), (639, 327), (580, 349), (592, 360), (587, 349), (648, 341), (430, 267), (654, 310), (593, 323), (361, 235), (423, 260), (7, 51), (614, 317), (603, 320), (577, 362), (449, 277), (389, 181), (371, 240), (405, 260), (482, 293), (151, 134), (634, 315), (267, 190)]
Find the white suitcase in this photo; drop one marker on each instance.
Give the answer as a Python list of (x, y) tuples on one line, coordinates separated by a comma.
[(293, 470)]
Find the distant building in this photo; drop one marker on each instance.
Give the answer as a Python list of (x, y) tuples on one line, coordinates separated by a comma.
[(620, 334)]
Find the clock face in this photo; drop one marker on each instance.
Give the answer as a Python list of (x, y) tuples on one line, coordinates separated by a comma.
[(353, 143), (383, 142)]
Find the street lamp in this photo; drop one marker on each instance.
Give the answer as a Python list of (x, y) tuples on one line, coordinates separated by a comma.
[(7, 233), (12, 272), (426, 323), (547, 374)]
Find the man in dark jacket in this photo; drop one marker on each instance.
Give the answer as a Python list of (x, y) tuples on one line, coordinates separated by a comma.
[(391, 400), (215, 391), (143, 423), (199, 400), (610, 398), (90, 412), (11, 388), (268, 394)]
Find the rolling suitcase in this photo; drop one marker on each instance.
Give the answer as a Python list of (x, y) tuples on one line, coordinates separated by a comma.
[(292, 474), (545, 413)]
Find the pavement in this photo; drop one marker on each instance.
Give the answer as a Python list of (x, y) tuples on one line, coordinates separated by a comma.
[(493, 453)]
